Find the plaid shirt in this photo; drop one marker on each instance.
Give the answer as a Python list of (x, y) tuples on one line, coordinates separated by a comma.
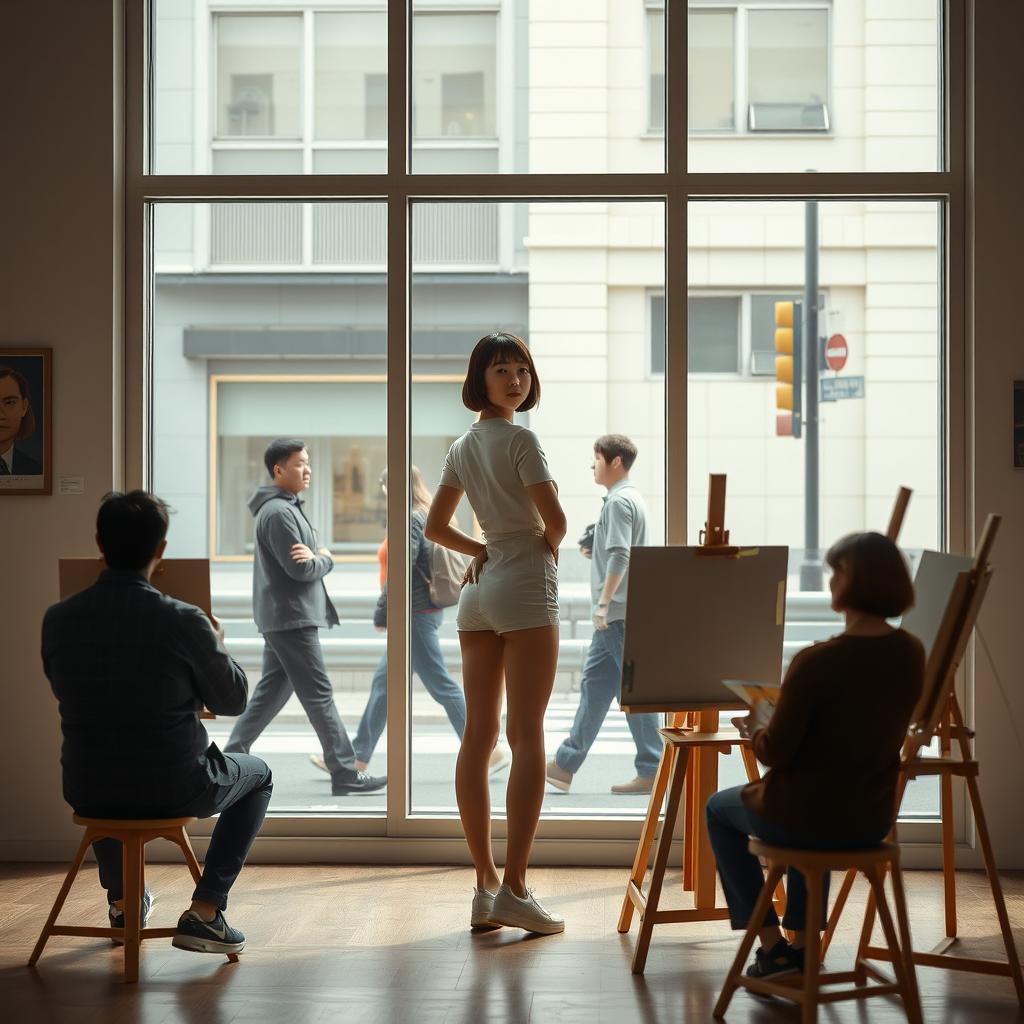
[(131, 668)]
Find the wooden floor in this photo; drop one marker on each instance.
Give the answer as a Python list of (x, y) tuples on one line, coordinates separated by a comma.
[(391, 944)]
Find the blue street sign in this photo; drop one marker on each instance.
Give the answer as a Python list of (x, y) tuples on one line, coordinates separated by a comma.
[(835, 389)]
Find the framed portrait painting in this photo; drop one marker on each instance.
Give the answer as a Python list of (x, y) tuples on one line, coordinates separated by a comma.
[(25, 421)]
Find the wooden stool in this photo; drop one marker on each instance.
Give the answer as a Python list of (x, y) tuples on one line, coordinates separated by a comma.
[(806, 990), (133, 834)]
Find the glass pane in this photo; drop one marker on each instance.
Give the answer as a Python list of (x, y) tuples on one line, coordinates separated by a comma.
[(259, 82), (455, 76), (879, 267), (315, 81), (586, 325), (713, 334), (245, 350), (351, 61), (549, 87), (835, 87), (787, 68), (710, 84)]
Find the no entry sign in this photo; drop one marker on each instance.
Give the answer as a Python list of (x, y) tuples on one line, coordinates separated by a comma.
[(836, 352)]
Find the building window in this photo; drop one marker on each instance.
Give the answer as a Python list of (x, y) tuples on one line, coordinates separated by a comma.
[(656, 70), (454, 76), (726, 334), (787, 70), (259, 80), (750, 68)]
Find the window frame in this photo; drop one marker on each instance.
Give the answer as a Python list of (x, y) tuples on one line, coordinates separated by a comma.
[(399, 834)]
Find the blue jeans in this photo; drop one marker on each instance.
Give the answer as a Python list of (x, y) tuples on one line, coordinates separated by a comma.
[(730, 825), (242, 806), (428, 664), (600, 683)]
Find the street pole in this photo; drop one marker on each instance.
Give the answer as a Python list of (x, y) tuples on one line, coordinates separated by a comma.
[(810, 571)]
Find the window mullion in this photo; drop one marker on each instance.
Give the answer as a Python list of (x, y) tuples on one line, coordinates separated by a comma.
[(399, 22)]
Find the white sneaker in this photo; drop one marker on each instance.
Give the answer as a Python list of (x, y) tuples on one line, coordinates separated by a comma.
[(528, 914), (483, 904)]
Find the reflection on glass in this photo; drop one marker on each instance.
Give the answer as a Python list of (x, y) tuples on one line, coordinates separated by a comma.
[(259, 84), (710, 83), (245, 351), (879, 288), (586, 325)]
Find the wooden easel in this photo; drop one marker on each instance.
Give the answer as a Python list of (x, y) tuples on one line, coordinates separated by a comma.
[(689, 782), (939, 712)]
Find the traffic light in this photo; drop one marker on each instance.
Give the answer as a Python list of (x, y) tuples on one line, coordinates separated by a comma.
[(788, 369)]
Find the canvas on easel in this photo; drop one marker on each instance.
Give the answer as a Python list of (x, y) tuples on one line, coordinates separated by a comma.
[(705, 599), (187, 579)]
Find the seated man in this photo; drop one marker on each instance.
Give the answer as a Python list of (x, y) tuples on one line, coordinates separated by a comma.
[(131, 669)]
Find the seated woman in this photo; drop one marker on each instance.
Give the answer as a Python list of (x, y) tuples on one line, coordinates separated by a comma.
[(832, 746)]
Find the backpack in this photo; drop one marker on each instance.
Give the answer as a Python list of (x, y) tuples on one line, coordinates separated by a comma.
[(447, 569)]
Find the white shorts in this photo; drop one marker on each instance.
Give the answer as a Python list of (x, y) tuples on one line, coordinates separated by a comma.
[(518, 588)]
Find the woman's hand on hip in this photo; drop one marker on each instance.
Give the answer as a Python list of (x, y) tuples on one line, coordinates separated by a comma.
[(473, 572)]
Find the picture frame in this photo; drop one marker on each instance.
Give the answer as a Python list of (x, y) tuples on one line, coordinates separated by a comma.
[(1018, 424), (26, 421)]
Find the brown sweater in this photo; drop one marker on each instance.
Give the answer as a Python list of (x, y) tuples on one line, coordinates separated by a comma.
[(833, 743)]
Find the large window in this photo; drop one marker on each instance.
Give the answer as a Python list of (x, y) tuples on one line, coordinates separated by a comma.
[(314, 294)]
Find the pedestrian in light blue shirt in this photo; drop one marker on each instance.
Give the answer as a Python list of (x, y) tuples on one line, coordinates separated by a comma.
[(622, 525)]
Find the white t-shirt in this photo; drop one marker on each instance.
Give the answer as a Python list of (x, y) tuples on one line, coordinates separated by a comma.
[(494, 462)]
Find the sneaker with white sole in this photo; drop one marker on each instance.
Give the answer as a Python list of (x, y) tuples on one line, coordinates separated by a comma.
[(199, 936), (557, 776), (483, 904), (527, 913)]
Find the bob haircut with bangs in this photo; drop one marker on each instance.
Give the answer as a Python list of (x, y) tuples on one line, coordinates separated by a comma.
[(498, 347), (879, 583)]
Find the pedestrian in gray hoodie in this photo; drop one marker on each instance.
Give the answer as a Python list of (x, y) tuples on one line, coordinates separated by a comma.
[(290, 606)]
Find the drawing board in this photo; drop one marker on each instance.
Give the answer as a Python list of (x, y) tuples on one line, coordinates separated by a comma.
[(933, 583), (694, 619), (187, 579)]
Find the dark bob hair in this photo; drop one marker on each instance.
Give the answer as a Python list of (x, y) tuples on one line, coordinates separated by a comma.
[(280, 451), (27, 427), (498, 347), (130, 527), (879, 583)]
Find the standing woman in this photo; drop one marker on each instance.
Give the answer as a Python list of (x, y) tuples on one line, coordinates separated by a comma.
[(508, 617)]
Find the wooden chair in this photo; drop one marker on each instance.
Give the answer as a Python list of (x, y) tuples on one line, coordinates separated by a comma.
[(807, 989), (133, 834)]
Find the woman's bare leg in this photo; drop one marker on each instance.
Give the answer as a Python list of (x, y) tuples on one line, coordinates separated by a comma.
[(482, 680), (531, 656)]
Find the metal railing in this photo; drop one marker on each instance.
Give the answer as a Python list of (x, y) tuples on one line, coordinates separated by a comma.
[(351, 235)]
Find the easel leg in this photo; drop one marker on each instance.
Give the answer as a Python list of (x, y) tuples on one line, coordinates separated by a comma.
[(675, 796), (643, 850), (948, 840), (997, 889), (704, 868), (860, 975), (690, 824)]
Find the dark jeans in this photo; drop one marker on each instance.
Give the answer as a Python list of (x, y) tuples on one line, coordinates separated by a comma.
[(730, 825), (242, 805), (602, 674), (293, 662), (428, 664)]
